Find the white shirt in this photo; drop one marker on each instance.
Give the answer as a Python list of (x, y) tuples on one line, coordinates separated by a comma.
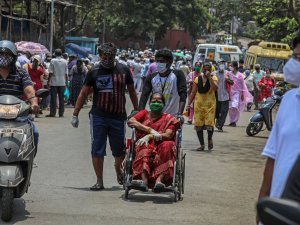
[(283, 144), (59, 68), (167, 86)]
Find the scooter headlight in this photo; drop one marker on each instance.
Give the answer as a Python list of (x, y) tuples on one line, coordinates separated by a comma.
[(9, 111)]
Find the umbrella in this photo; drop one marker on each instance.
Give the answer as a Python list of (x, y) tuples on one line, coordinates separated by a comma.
[(32, 47), (78, 49), (179, 54)]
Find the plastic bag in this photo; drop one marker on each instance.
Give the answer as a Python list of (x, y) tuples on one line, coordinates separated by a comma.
[(66, 94)]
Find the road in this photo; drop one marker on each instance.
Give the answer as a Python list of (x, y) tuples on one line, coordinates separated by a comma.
[(221, 186)]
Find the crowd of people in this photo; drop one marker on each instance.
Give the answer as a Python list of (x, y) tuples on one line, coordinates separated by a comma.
[(213, 90)]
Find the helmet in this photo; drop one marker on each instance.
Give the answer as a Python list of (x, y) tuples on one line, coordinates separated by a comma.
[(8, 46)]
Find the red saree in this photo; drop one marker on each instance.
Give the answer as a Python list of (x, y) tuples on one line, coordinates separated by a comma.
[(159, 156)]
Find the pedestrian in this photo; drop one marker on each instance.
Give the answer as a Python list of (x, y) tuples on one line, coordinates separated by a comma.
[(203, 92), (184, 68), (77, 76), (239, 95), (223, 94), (283, 147), (36, 73), (257, 75), (172, 84), (108, 81), (266, 85), (57, 81), (137, 68), (249, 83), (190, 79), (241, 66)]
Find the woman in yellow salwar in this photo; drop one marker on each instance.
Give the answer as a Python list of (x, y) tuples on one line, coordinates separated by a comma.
[(204, 93)]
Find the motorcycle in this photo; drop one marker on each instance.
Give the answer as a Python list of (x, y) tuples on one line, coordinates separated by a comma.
[(264, 115), (17, 150), (278, 212)]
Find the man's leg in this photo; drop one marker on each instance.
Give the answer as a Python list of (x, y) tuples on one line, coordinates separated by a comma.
[(98, 138), (53, 94), (223, 113), (98, 168), (61, 91), (116, 137)]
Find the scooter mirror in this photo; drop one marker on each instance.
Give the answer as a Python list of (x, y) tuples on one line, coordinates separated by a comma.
[(278, 212), (42, 93)]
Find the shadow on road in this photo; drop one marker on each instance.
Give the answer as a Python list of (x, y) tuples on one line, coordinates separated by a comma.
[(19, 214), (139, 197), (113, 188)]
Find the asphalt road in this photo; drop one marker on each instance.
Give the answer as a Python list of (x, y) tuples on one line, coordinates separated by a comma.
[(221, 186)]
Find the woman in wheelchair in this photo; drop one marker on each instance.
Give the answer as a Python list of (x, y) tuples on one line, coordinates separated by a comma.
[(155, 148)]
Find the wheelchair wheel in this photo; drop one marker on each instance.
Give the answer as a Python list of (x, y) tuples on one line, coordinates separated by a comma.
[(126, 192), (175, 194), (183, 173)]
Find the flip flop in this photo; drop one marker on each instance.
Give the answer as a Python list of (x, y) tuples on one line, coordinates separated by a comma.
[(201, 148), (97, 187), (141, 184), (159, 187)]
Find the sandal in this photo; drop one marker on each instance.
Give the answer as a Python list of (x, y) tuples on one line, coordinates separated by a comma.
[(97, 187), (141, 184), (210, 145), (159, 187), (201, 148)]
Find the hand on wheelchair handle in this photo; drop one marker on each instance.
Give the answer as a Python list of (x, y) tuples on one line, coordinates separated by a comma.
[(180, 119), (133, 112)]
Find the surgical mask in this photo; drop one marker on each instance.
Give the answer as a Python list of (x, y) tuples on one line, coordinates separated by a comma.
[(231, 68), (156, 107), (291, 72), (161, 67), (5, 60), (107, 63), (221, 67), (197, 69)]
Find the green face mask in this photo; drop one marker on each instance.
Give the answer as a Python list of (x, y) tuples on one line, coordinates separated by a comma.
[(197, 69), (156, 107)]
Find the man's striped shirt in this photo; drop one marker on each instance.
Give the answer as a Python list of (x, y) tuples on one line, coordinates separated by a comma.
[(15, 83)]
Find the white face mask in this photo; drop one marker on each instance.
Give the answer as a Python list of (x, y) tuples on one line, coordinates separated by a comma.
[(222, 67), (161, 67), (231, 68), (291, 71)]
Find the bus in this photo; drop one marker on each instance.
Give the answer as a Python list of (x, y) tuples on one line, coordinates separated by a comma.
[(215, 52), (270, 55)]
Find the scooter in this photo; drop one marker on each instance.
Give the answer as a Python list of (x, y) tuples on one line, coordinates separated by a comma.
[(264, 115), (17, 150), (278, 212)]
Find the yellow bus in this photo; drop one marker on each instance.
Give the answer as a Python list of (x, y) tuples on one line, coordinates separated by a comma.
[(270, 55)]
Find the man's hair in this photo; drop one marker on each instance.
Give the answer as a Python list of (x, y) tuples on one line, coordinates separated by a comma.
[(241, 61), (58, 52), (164, 53), (107, 48), (295, 41)]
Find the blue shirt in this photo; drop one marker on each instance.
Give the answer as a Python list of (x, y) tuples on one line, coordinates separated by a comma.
[(283, 144), (15, 84)]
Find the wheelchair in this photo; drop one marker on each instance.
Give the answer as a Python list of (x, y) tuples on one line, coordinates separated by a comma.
[(178, 183)]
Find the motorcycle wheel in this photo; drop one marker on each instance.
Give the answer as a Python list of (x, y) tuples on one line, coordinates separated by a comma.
[(254, 128), (7, 204)]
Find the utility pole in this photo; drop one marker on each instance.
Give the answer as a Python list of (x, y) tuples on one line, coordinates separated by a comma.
[(51, 26), (0, 20)]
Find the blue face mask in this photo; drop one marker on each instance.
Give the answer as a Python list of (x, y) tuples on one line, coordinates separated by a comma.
[(161, 67)]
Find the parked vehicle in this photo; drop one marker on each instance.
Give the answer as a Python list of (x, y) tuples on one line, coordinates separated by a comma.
[(215, 52), (270, 55), (17, 150), (264, 115)]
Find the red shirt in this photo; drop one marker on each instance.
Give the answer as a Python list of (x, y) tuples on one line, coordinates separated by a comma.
[(35, 76)]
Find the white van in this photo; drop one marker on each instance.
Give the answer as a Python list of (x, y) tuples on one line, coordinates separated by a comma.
[(215, 52)]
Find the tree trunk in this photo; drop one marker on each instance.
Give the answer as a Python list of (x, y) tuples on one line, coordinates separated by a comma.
[(294, 12)]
